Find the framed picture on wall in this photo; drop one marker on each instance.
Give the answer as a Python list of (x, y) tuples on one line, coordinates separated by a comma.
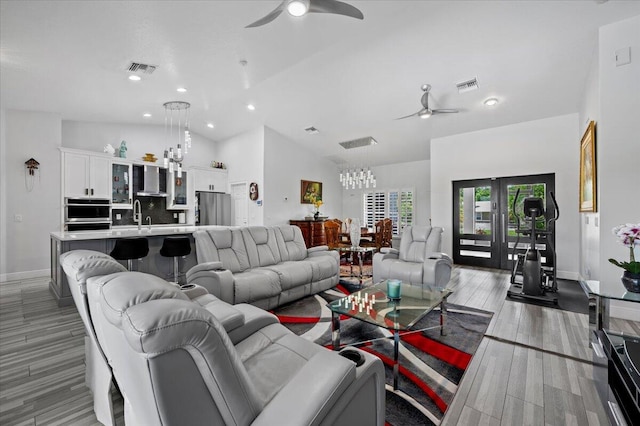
[(588, 169), (310, 191)]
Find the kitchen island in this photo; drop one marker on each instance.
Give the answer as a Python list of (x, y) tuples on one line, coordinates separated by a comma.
[(104, 241)]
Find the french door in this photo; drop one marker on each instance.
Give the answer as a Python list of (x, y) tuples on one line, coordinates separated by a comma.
[(484, 223)]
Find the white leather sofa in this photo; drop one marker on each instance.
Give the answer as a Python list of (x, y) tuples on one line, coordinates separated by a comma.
[(205, 362), (418, 261), (260, 265)]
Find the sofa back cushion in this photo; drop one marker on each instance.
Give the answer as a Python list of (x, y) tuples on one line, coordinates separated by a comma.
[(418, 242), (290, 242), (222, 245), (262, 247)]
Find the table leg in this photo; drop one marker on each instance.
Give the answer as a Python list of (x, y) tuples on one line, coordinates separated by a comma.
[(396, 343), (335, 331), (443, 317)]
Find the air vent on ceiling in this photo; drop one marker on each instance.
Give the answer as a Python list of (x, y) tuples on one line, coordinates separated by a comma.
[(312, 130), (356, 143), (467, 86), (142, 68)]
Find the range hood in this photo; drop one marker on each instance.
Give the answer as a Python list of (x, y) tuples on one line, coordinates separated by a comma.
[(151, 186)]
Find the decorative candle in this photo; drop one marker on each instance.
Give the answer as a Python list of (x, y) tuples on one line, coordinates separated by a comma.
[(393, 289)]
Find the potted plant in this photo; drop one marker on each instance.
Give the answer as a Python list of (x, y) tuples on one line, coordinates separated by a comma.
[(629, 236)]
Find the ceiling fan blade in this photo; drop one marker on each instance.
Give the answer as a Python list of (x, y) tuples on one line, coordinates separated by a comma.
[(270, 17), (444, 111), (410, 115), (424, 100), (336, 7)]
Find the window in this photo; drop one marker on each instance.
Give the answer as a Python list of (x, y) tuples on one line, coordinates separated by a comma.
[(396, 205)]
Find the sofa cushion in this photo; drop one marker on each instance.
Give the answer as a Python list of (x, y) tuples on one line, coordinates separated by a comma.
[(413, 245), (261, 245), (407, 272), (84, 264), (222, 245), (323, 267), (255, 284), (290, 242), (293, 274)]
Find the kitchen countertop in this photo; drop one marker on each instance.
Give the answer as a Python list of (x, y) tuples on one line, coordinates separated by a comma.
[(131, 231)]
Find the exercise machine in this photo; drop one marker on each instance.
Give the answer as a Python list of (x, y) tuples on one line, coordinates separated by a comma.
[(530, 278)]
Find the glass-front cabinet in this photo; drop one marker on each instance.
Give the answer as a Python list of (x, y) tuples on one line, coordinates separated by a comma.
[(121, 185), (178, 193)]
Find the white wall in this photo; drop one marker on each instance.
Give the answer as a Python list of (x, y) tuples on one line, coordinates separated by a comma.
[(535, 147), (25, 250), (3, 191), (140, 138), (618, 146), (415, 174), (286, 163), (589, 262), (244, 156)]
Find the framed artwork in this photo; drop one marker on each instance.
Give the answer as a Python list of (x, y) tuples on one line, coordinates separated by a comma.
[(588, 169), (310, 191)]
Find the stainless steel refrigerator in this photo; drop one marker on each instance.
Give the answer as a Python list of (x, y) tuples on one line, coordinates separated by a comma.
[(213, 208)]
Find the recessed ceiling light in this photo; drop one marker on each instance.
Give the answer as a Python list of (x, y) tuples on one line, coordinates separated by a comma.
[(181, 89), (133, 77), (251, 107), (146, 115), (491, 102), (210, 125)]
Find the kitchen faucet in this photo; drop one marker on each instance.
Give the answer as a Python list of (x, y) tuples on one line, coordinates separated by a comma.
[(137, 213), (148, 219)]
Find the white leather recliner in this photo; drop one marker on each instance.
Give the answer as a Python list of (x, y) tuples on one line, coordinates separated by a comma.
[(202, 361), (418, 261)]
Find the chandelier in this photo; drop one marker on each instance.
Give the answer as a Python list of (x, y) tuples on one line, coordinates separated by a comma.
[(177, 133), (355, 174)]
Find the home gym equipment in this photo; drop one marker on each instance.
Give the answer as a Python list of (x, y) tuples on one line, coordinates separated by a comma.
[(529, 277)]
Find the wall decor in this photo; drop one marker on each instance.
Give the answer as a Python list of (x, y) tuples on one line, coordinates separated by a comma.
[(253, 191), (310, 191), (588, 169)]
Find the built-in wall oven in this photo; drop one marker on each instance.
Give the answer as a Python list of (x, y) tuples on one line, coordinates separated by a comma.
[(87, 214)]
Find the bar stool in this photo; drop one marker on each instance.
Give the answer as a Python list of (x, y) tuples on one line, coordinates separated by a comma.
[(129, 249), (175, 247)]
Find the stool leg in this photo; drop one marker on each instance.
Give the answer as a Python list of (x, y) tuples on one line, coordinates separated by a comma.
[(175, 269)]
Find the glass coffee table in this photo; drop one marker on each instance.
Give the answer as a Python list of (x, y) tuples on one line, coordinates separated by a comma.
[(372, 305), (355, 257)]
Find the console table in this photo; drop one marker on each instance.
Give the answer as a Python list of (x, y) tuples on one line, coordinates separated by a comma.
[(618, 387)]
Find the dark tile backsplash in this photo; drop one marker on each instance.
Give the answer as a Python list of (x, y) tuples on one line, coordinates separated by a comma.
[(155, 207)]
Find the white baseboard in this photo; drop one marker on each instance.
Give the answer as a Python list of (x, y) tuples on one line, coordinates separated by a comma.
[(568, 275), (24, 275), (624, 310)]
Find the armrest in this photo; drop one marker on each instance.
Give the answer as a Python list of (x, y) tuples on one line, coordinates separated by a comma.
[(389, 250), (254, 320), (317, 248), (216, 281), (437, 272), (207, 266), (438, 255), (314, 390)]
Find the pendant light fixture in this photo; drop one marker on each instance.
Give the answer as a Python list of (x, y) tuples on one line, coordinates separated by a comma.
[(355, 173), (176, 129)]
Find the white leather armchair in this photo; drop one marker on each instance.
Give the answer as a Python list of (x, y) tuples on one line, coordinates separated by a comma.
[(418, 261)]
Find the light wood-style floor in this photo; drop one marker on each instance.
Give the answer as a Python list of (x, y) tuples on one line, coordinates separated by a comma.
[(527, 369)]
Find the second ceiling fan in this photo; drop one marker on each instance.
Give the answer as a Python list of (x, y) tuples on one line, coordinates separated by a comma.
[(427, 112), (302, 7)]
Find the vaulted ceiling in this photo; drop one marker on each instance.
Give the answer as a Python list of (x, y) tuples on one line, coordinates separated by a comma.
[(348, 78)]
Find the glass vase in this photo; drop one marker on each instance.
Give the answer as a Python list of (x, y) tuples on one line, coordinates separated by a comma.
[(354, 232), (631, 281)]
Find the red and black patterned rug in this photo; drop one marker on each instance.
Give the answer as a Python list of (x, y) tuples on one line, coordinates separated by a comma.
[(431, 366)]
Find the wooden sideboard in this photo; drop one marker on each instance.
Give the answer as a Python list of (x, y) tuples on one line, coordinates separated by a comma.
[(312, 232)]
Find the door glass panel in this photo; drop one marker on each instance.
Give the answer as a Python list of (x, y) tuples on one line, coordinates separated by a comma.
[(475, 210)]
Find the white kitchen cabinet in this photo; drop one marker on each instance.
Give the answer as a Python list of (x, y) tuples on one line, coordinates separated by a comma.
[(209, 179), (86, 175)]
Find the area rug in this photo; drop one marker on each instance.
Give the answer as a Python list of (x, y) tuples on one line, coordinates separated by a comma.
[(571, 298), (431, 366)]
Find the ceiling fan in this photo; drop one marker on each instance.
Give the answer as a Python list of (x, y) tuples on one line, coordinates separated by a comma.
[(427, 112), (302, 7)]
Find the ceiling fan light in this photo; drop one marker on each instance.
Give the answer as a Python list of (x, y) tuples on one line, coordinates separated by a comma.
[(425, 113), (298, 7)]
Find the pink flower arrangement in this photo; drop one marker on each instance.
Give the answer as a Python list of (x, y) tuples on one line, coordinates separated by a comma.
[(629, 236)]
